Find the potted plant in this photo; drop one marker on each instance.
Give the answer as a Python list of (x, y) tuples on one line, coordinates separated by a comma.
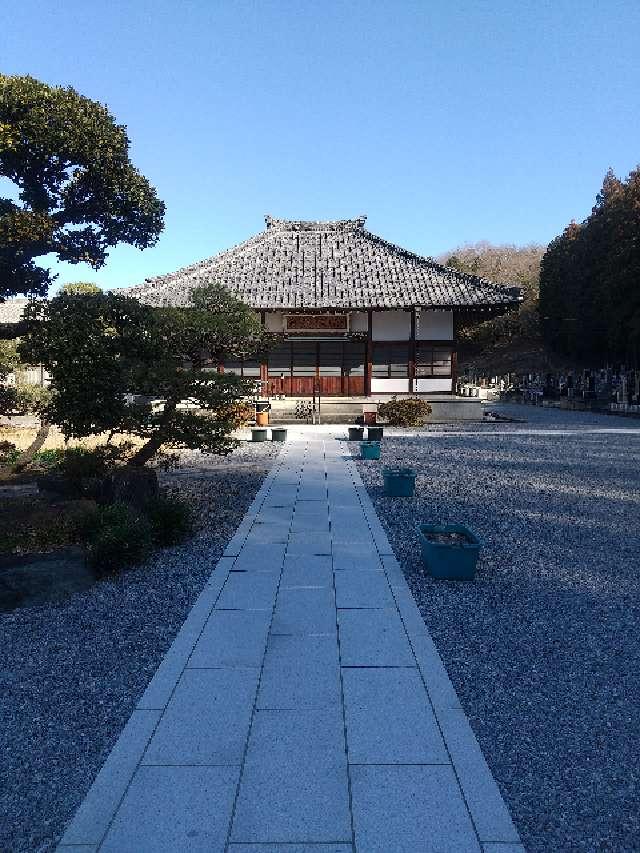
[(449, 551), (374, 433), (278, 434), (370, 450), (399, 482)]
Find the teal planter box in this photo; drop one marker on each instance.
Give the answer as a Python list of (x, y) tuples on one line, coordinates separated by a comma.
[(258, 434), (278, 434), (449, 560), (356, 433), (370, 450), (399, 482), (375, 433)]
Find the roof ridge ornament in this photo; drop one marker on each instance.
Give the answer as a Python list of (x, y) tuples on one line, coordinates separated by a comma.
[(314, 225)]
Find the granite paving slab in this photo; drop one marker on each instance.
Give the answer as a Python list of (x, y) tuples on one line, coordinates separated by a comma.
[(373, 638), (170, 809), (305, 610), (389, 719), (298, 570), (294, 785), (300, 672), (410, 808), (232, 638), (249, 590), (362, 589), (207, 720)]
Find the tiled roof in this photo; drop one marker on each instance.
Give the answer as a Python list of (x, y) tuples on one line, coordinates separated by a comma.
[(296, 265)]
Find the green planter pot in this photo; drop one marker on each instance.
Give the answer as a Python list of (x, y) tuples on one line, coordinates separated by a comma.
[(259, 434), (278, 434), (356, 433), (446, 560), (399, 482), (375, 433), (370, 450)]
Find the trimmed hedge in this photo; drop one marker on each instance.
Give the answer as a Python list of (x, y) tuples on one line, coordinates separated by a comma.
[(406, 412)]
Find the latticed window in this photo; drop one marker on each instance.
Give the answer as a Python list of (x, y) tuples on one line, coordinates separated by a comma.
[(280, 360), (432, 360), (354, 358), (242, 367), (390, 361), (330, 358), (305, 355)]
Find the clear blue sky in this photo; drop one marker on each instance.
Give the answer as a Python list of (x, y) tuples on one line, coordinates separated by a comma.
[(445, 121)]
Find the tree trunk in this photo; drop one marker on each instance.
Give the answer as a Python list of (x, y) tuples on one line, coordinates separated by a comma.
[(26, 457), (149, 450)]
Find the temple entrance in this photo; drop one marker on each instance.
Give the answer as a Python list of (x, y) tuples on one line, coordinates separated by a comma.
[(336, 367)]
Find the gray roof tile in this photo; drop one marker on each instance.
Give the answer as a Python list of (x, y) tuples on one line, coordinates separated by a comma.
[(298, 265)]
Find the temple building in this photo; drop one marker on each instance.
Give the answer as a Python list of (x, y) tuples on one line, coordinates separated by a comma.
[(359, 316)]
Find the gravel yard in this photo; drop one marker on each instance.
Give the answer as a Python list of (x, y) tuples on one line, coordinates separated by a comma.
[(544, 647), (72, 671)]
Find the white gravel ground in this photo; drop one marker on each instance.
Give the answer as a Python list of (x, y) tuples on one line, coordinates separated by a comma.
[(544, 646), (71, 672)]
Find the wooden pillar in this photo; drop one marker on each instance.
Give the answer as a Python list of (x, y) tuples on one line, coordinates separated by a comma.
[(368, 354), (454, 354), (412, 352), (264, 368)]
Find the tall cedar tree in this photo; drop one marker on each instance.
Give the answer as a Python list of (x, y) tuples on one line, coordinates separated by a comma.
[(77, 192), (590, 279), (109, 357)]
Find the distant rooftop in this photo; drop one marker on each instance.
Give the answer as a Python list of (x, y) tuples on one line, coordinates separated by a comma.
[(12, 310), (297, 265)]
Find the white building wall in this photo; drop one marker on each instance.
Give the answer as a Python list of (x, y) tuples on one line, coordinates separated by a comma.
[(433, 386), (391, 325), (274, 321), (389, 386), (434, 325)]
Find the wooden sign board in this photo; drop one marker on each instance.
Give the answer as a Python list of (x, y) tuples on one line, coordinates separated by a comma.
[(314, 323)]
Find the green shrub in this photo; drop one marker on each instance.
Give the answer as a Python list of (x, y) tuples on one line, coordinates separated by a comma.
[(31, 525), (406, 412), (48, 458), (78, 463), (171, 519), (8, 398), (116, 536), (242, 412), (31, 398), (8, 453)]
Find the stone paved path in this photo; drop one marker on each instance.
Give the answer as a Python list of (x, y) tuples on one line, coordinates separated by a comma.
[(303, 707)]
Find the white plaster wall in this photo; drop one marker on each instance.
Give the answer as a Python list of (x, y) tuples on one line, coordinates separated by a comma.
[(389, 386), (358, 322), (434, 325), (433, 386), (274, 321), (391, 325)]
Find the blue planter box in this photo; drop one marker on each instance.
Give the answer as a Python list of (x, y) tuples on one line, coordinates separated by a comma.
[(399, 482), (449, 561), (370, 450)]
